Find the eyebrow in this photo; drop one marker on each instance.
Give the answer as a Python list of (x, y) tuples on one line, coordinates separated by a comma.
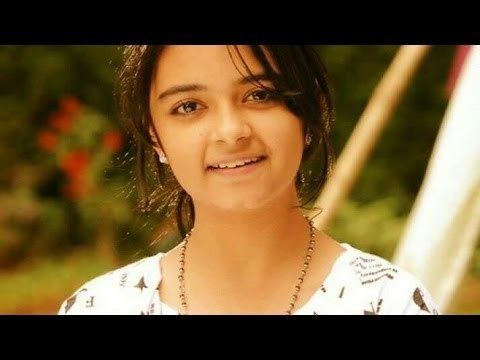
[(177, 89)]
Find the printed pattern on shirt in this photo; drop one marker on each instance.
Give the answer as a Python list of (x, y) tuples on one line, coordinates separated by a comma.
[(371, 269), (361, 284)]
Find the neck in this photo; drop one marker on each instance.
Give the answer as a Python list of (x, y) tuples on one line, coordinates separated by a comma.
[(250, 242)]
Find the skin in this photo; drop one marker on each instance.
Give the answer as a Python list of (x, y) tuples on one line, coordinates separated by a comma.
[(249, 240)]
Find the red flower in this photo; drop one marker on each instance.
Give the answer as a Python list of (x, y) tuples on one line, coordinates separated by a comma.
[(61, 121), (47, 140), (70, 105), (75, 163), (112, 140), (76, 189)]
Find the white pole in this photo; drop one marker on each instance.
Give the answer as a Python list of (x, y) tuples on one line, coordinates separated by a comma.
[(444, 224)]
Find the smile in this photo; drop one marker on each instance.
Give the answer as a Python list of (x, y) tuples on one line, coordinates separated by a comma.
[(238, 166), (237, 163)]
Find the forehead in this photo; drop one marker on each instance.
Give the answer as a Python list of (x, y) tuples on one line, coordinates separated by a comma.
[(205, 64)]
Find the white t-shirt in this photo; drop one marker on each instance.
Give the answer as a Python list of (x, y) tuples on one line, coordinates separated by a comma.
[(358, 283)]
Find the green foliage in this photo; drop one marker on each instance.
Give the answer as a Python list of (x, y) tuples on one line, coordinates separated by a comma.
[(375, 227), (41, 286), (58, 144)]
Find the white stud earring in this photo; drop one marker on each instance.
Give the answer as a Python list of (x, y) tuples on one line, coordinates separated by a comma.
[(162, 158)]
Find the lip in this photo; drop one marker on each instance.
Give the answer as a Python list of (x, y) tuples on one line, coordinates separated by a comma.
[(245, 169), (235, 158)]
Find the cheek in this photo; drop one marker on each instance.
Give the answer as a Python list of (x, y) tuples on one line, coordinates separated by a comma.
[(184, 149), (286, 144)]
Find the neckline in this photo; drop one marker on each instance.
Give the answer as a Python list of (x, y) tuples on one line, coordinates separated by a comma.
[(166, 309)]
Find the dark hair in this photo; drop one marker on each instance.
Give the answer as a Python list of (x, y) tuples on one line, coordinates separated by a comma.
[(301, 83)]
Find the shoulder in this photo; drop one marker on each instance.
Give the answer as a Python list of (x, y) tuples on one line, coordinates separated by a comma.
[(126, 290), (384, 288)]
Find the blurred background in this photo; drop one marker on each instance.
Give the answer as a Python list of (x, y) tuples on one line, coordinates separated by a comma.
[(67, 191)]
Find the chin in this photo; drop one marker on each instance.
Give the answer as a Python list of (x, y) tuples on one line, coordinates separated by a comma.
[(248, 200), (243, 204)]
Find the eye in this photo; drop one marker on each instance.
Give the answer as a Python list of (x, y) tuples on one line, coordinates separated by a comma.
[(187, 108), (260, 95)]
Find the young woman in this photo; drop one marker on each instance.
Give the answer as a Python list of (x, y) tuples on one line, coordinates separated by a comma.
[(234, 132)]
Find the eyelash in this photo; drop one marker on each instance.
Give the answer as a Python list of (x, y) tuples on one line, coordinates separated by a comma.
[(269, 93), (183, 104)]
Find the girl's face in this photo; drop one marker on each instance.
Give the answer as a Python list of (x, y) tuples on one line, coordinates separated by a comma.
[(212, 123)]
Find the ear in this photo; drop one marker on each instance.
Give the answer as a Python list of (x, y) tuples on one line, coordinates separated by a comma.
[(157, 146)]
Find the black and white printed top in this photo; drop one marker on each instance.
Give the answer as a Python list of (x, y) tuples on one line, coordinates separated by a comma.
[(358, 283)]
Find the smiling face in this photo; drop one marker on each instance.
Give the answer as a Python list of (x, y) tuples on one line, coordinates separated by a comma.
[(230, 143)]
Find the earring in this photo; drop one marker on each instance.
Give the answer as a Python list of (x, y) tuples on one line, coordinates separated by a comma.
[(162, 158), (300, 182), (308, 137), (302, 179)]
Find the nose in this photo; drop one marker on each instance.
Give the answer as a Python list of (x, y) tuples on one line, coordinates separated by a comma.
[(231, 127)]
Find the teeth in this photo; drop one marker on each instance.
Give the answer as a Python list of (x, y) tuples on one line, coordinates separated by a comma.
[(234, 164)]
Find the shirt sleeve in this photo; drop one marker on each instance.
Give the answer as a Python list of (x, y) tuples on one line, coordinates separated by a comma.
[(96, 297), (80, 302), (406, 295), (420, 302)]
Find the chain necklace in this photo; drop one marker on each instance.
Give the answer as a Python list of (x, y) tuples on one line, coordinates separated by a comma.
[(293, 300)]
